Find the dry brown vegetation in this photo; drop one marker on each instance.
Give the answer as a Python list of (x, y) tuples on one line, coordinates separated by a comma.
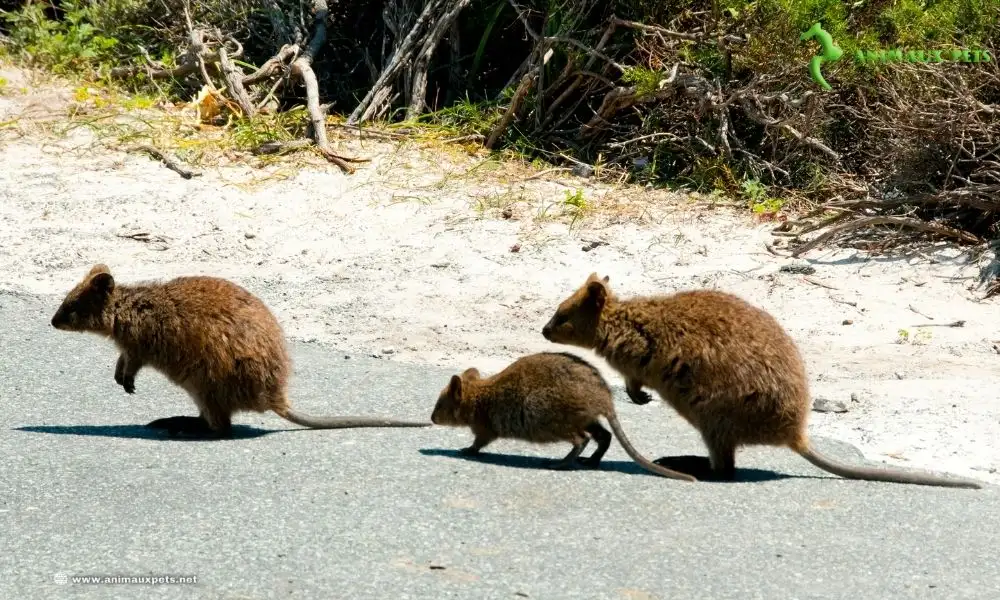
[(713, 95)]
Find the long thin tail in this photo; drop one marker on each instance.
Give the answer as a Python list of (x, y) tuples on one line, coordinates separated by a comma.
[(889, 474), (647, 464), (344, 422)]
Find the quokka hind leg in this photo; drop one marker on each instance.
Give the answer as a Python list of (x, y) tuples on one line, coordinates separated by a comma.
[(603, 438), (719, 465), (699, 467), (183, 424), (723, 458), (569, 461), (219, 421), (213, 421)]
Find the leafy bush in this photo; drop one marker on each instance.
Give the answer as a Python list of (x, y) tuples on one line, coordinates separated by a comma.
[(69, 44)]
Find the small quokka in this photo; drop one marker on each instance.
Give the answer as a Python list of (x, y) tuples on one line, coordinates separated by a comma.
[(211, 337), (542, 398), (726, 366)]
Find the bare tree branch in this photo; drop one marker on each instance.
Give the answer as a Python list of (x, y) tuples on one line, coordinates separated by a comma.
[(437, 32), (302, 66)]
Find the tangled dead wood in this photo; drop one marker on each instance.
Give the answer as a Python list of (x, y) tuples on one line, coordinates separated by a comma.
[(207, 55), (939, 135), (414, 54)]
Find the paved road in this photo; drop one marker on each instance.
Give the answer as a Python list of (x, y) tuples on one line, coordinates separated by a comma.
[(393, 513)]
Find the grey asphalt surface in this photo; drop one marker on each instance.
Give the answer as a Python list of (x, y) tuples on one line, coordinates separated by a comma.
[(283, 512)]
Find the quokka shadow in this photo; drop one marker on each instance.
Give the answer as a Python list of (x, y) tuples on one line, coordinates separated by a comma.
[(142, 432), (517, 461)]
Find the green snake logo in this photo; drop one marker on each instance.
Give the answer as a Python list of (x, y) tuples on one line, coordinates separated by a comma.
[(831, 52)]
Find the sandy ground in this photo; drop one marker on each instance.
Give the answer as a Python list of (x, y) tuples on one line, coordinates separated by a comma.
[(432, 256)]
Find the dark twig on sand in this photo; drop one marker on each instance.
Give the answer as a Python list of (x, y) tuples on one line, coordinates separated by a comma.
[(171, 163), (959, 323)]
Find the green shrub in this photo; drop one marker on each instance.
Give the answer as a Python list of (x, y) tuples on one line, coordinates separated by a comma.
[(70, 44)]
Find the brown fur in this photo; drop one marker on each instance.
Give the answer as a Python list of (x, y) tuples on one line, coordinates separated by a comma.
[(210, 336), (542, 398), (726, 366)]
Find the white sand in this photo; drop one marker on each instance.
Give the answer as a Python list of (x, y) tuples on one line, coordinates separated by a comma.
[(401, 260)]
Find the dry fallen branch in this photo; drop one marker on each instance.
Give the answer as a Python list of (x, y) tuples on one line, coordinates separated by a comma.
[(805, 227), (515, 105), (771, 249), (911, 307), (819, 283), (959, 323), (157, 242), (171, 163), (278, 63), (915, 224), (276, 147), (234, 79)]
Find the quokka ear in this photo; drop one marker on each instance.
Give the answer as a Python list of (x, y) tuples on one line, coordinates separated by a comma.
[(595, 278), (597, 293), (102, 282), (455, 387), (98, 268)]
